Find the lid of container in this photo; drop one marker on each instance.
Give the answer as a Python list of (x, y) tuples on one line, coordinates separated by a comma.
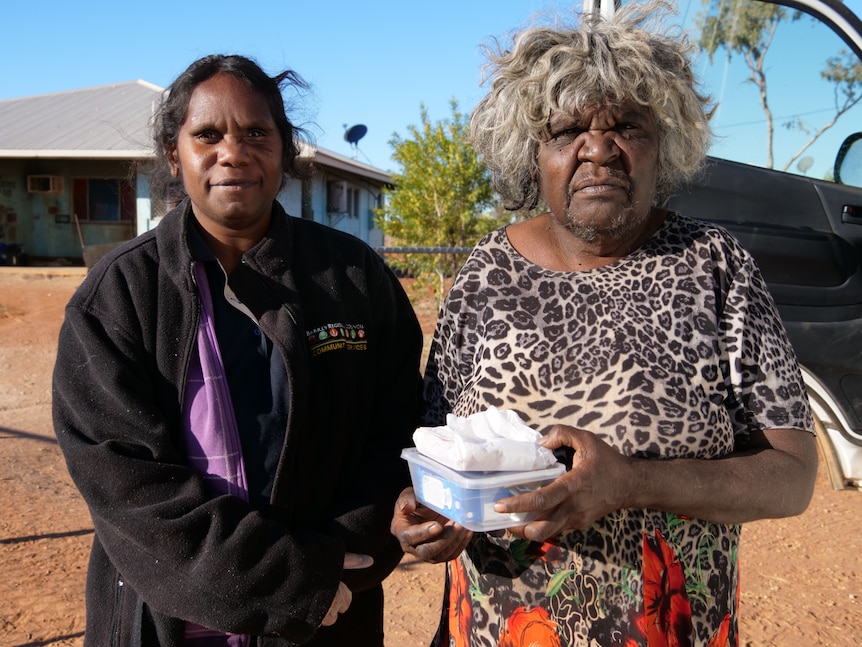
[(481, 479)]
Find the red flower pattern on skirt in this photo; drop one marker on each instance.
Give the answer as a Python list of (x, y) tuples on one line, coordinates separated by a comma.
[(460, 606), (529, 628), (722, 636), (666, 606)]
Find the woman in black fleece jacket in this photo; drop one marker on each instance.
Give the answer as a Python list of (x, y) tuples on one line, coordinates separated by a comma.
[(232, 392)]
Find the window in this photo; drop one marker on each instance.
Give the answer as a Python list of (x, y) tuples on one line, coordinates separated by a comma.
[(789, 111), (342, 198), (353, 202), (103, 199)]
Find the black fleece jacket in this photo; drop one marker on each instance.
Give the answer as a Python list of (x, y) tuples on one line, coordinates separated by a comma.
[(164, 551)]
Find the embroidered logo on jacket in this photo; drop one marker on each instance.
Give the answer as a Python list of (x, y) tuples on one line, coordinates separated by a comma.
[(337, 336)]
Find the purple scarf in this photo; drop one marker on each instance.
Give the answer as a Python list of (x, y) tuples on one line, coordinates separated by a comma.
[(211, 436)]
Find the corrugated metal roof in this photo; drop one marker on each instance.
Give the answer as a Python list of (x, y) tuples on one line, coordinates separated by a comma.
[(110, 121), (107, 122), (331, 159)]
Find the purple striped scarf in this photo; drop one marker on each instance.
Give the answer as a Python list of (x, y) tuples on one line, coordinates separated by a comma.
[(211, 436)]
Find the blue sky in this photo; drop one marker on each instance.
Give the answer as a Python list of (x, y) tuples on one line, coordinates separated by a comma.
[(372, 63)]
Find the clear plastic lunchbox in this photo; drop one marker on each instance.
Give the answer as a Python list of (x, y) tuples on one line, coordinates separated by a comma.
[(468, 497)]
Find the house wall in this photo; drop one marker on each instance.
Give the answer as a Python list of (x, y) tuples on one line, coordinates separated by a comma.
[(12, 204), (43, 222), (355, 216), (290, 197), (356, 219)]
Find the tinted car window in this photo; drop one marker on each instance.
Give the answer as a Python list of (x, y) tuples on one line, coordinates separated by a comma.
[(788, 90)]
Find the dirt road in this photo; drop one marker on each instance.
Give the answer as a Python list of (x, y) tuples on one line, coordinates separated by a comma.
[(802, 577)]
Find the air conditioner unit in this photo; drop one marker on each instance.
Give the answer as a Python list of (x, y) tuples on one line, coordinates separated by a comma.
[(44, 184)]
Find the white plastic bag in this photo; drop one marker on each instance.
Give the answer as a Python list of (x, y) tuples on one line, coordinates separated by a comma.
[(488, 441)]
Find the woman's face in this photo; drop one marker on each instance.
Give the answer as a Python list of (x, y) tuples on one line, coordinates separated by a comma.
[(229, 157), (598, 171)]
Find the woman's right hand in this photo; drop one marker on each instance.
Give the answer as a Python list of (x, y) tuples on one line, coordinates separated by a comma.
[(426, 534), (598, 483)]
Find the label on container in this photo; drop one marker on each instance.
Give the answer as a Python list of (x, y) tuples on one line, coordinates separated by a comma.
[(435, 492)]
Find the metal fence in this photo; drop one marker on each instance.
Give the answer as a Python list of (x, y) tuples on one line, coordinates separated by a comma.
[(423, 250)]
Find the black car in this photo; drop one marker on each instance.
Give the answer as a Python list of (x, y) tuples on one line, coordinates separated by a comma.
[(795, 201)]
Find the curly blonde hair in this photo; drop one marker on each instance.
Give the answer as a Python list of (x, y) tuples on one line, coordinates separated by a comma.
[(599, 62)]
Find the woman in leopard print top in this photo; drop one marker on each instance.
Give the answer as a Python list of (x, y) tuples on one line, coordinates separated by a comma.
[(642, 342)]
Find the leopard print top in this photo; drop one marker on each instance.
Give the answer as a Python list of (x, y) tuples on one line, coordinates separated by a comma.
[(676, 350)]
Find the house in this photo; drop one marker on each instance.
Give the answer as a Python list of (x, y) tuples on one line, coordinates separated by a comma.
[(68, 182)]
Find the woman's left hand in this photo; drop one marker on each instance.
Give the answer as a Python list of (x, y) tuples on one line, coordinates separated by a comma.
[(595, 486)]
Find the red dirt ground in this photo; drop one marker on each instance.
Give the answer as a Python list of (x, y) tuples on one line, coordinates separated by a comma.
[(802, 577)]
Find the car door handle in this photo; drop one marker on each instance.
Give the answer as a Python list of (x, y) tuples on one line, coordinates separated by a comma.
[(851, 215)]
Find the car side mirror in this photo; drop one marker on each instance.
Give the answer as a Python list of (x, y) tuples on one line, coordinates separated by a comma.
[(848, 162)]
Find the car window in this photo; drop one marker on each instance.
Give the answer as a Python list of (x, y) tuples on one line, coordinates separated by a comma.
[(788, 90)]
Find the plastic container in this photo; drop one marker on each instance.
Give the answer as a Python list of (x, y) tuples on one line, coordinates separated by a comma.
[(469, 497)]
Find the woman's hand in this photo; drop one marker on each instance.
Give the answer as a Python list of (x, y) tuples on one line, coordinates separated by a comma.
[(344, 596), (773, 476), (424, 533), (595, 486)]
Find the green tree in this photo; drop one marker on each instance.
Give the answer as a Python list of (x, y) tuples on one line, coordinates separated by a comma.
[(441, 198), (747, 28)]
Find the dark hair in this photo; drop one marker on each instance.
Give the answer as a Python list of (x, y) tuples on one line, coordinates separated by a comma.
[(171, 113)]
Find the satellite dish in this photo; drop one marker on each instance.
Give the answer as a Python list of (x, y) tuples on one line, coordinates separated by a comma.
[(805, 163), (355, 133)]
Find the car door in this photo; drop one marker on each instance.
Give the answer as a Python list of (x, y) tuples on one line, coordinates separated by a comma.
[(771, 180)]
